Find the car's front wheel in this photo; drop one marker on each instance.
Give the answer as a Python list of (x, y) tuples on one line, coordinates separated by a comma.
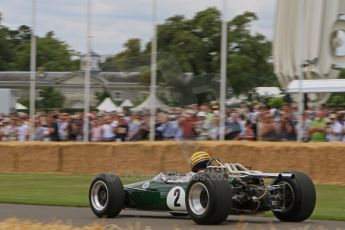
[(209, 198), (106, 195)]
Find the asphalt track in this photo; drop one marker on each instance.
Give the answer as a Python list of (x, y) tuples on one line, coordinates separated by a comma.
[(138, 220)]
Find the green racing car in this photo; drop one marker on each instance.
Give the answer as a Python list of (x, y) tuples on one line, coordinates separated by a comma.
[(209, 196)]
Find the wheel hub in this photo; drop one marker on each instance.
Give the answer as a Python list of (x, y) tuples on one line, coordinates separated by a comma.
[(198, 198), (99, 195)]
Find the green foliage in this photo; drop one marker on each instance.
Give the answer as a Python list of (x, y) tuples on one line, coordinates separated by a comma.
[(52, 54), (193, 45), (51, 98), (276, 102), (128, 60), (100, 96), (24, 101), (337, 100), (6, 55), (249, 56)]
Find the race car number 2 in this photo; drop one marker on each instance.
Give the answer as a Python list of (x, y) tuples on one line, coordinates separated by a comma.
[(176, 199)]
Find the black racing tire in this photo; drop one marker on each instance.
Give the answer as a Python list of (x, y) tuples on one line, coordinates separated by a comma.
[(179, 214), (303, 194), (106, 195), (208, 198)]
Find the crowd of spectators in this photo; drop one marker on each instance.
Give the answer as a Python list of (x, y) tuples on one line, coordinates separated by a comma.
[(256, 122)]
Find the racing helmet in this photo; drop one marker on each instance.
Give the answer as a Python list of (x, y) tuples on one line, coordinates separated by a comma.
[(199, 160)]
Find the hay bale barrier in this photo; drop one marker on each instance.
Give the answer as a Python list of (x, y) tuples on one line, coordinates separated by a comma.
[(322, 161)]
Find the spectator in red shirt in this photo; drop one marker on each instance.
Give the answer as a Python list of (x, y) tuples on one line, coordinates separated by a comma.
[(187, 125)]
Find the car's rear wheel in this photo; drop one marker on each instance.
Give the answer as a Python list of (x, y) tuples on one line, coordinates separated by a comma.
[(106, 195), (299, 198), (209, 198)]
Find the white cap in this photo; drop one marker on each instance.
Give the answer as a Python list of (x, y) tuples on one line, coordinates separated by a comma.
[(190, 111), (201, 114)]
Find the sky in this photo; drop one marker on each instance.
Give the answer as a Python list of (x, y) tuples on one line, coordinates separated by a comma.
[(115, 21)]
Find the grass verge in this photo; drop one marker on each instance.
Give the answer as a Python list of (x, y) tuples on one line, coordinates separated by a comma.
[(72, 190)]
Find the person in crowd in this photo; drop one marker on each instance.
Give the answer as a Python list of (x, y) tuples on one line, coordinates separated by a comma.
[(335, 128), (287, 128), (1, 131), (269, 130), (39, 131), (11, 129), (54, 127), (107, 130), (201, 125), (213, 128), (46, 132), (159, 126), (242, 119), (260, 121), (306, 126), (318, 128), (72, 129), (248, 133), (134, 126), (23, 130), (169, 127), (115, 120), (96, 130), (121, 129), (187, 125), (233, 127), (242, 110), (253, 117), (62, 127)]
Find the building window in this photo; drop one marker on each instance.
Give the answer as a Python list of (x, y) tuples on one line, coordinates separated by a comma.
[(117, 95)]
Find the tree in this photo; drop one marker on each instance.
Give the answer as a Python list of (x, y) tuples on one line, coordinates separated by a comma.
[(7, 57), (51, 98), (52, 54), (249, 56), (129, 59), (337, 100), (100, 96), (195, 44), (276, 102)]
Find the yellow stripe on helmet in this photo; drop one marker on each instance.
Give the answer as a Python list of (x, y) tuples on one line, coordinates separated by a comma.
[(199, 156)]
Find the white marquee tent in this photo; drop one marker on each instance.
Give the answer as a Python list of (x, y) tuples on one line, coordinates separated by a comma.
[(20, 106), (126, 103), (317, 86), (148, 103), (268, 91), (107, 105)]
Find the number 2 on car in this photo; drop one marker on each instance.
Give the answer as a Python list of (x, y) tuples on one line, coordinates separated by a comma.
[(176, 199)]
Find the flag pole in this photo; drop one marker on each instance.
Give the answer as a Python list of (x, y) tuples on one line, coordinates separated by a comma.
[(87, 74), (33, 72), (153, 71), (223, 63), (300, 75)]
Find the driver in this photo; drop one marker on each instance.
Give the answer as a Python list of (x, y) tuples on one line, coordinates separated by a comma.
[(199, 161)]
